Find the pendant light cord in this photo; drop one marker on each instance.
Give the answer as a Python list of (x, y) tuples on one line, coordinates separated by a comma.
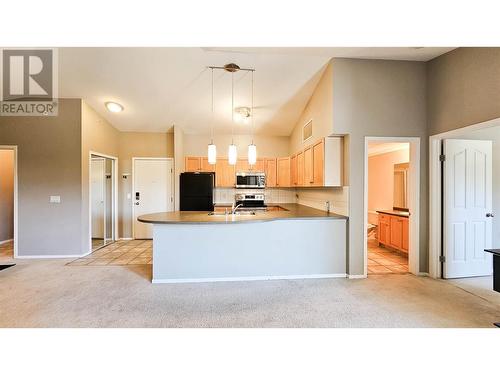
[(212, 127), (232, 108), (251, 112)]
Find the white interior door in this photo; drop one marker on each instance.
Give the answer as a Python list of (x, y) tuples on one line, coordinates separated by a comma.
[(97, 194), (467, 202), (152, 191)]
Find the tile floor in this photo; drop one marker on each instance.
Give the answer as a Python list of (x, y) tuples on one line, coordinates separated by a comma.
[(382, 260), (7, 252), (120, 253)]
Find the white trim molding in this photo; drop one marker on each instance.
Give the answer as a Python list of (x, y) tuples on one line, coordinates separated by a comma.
[(16, 199), (357, 276), (249, 278), (435, 189), (6, 241)]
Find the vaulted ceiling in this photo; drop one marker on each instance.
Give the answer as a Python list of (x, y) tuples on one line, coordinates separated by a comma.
[(160, 87)]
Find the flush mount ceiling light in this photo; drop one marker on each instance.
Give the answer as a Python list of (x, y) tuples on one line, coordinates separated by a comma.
[(114, 107)]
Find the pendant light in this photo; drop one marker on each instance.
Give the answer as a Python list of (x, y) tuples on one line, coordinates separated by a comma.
[(232, 152), (252, 149), (212, 149)]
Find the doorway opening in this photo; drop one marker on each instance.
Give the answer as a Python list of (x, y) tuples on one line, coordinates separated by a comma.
[(8, 204), (464, 171), (102, 197), (392, 190)]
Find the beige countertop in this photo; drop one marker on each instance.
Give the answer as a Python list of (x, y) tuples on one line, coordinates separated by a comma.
[(395, 213), (293, 211)]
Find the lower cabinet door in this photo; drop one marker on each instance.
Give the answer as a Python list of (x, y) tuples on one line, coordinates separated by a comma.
[(405, 244), (396, 232)]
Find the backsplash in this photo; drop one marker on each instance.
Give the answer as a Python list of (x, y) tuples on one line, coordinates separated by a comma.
[(226, 195), (316, 198)]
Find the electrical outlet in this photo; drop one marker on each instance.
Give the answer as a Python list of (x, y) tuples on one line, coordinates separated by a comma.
[(55, 199)]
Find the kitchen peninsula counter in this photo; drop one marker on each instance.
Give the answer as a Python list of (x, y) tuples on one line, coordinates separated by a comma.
[(295, 243), (291, 212)]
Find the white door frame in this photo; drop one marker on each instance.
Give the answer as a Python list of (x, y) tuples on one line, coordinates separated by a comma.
[(114, 174), (413, 201), (435, 232), (133, 184), (16, 240)]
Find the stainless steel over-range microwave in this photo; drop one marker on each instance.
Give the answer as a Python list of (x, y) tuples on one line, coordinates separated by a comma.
[(250, 180)]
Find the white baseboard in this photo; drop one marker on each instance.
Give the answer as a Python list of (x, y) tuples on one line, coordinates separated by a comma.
[(425, 274), (249, 278), (126, 239), (5, 241), (357, 276), (51, 256)]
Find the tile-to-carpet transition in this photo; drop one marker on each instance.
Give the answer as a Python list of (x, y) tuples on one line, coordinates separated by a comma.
[(120, 253), (382, 260)]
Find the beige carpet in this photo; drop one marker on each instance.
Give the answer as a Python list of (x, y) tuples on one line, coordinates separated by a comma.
[(46, 293)]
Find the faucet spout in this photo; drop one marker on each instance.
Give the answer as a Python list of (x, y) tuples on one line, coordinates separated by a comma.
[(235, 208)]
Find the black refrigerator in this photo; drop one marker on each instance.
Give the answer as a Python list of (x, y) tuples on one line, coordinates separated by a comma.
[(197, 191)]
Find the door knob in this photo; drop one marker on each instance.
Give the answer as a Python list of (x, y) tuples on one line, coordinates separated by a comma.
[(136, 203), (489, 214)]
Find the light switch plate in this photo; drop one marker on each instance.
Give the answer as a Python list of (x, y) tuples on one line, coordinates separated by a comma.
[(55, 199)]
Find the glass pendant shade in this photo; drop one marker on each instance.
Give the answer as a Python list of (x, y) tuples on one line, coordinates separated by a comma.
[(212, 154), (252, 154), (232, 154)]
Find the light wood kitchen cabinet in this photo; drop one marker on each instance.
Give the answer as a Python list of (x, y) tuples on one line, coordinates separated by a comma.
[(293, 170), (318, 154), (193, 164), (243, 166), (206, 166), (393, 231), (300, 168), (283, 172), (308, 166), (225, 175), (198, 164), (270, 171)]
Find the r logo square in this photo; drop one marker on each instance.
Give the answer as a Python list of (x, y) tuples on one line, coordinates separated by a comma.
[(28, 82)]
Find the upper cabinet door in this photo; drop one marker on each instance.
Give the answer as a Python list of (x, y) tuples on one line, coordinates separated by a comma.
[(270, 170), (193, 164), (293, 170), (259, 166), (283, 174), (308, 166), (242, 165), (318, 150), (224, 173), (206, 167), (300, 169)]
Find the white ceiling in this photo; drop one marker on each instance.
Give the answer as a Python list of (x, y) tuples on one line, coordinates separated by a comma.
[(160, 87)]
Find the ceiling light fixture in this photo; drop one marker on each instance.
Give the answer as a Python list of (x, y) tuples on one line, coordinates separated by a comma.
[(243, 114), (114, 107), (212, 149)]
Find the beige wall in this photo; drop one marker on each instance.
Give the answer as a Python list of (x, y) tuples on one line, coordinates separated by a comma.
[(378, 98), (137, 144), (267, 146), (463, 88), (6, 195), (319, 109), (49, 163), (99, 136), (381, 178)]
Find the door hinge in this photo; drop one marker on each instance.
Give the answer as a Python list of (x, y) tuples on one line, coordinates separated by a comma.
[(442, 258), (442, 157)]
